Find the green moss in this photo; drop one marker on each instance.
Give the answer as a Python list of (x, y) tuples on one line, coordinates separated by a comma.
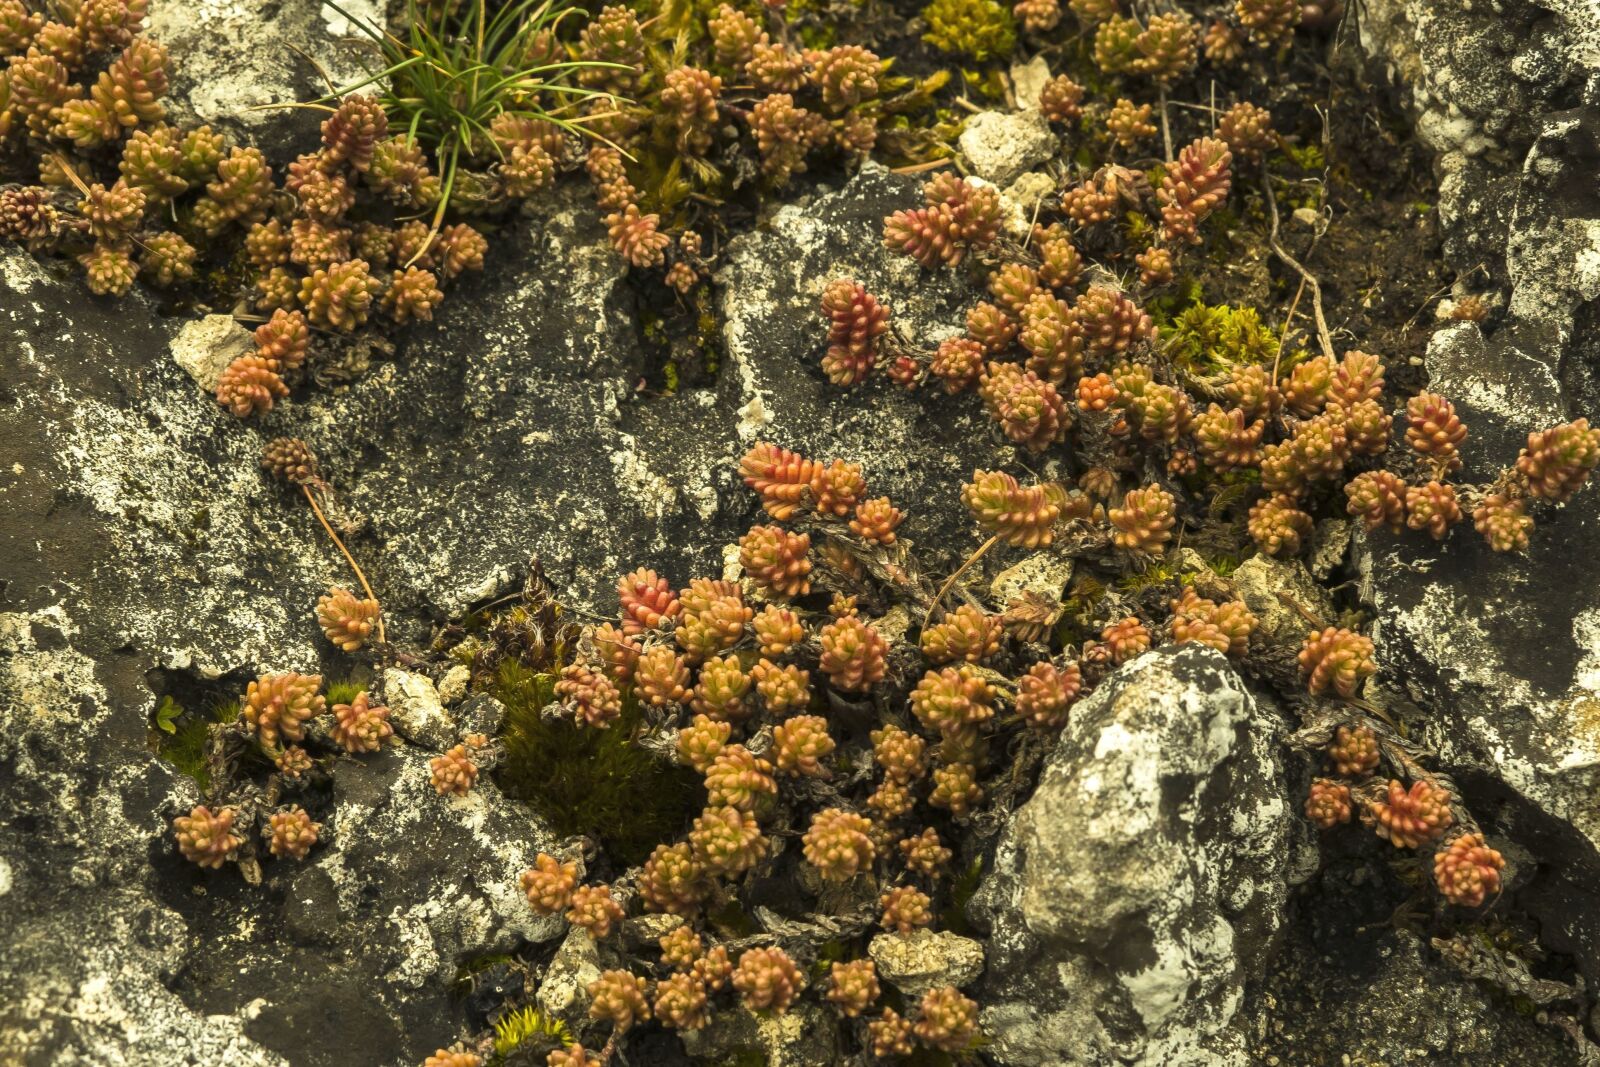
[(179, 736), (1207, 339), (344, 692), (1306, 157), (599, 784), (982, 29)]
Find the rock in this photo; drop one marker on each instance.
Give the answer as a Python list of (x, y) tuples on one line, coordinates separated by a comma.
[(1501, 651), (922, 960), (1001, 145), (1042, 574), (272, 56), (917, 447), (1262, 583), (205, 347), (1139, 888), (1028, 81), (806, 1035), (453, 686), (416, 711), (564, 988), (480, 713)]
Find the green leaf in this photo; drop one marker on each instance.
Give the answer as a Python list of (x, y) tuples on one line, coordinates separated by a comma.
[(167, 713)]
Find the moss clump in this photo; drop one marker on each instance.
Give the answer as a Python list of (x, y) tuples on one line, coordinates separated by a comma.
[(528, 1026), (1212, 338), (180, 736), (599, 784), (981, 29)]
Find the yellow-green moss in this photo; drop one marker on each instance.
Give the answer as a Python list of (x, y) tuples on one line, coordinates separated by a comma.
[(981, 29), (1208, 339)]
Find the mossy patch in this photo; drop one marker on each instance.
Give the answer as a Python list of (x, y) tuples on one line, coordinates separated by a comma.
[(600, 784)]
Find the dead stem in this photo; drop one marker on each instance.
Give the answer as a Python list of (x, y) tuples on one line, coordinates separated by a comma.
[(362, 578), (950, 581), (1300, 610), (1324, 339)]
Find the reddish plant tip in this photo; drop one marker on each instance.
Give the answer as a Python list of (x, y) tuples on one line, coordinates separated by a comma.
[(1336, 659), (1328, 803), (207, 838), (1467, 871), (1409, 817), (767, 980)]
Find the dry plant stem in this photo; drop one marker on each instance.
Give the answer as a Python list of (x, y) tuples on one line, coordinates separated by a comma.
[(1287, 323), (1301, 610), (1166, 128), (348, 558), (950, 581), (1323, 338), (918, 168)]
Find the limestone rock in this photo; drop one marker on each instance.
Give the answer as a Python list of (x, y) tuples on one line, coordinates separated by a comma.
[(1139, 887), (923, 959), (1001, 145)]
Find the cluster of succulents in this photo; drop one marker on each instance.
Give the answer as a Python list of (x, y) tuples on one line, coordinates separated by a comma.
[(697, 100), (281, 716), (1426, 814)]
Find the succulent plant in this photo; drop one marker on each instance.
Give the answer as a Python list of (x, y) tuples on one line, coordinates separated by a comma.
[(783, 479), (1504, 522), (713, 619), (722, 690), (1195, 185), (767, 980), (891, 1035), (595, 700), (1247, 129), (800, 744), (1328, 804), (1129, 125), (1467, 871), (681, 1003), (853, 987), (839, 844), (290, 459), (737, 779), (619, 997), (661, 677), (1278, 526), (594, 909), (898, 752), (360, 726), (1435, 431), (852, 654), (1432, 507), (946, 1020), (207, 838), (776, 560), (1336, 659), (1144, 521), (277, 706), (1022, 516), (1558, 461), (1409, 817), (905, 908), (925, 854), (340, 296), (453, 773), (1045, 694), (1354, 751), (784, 132), (673, 881), (955, 788), (413, 293), (291, 833), (1377, 498)]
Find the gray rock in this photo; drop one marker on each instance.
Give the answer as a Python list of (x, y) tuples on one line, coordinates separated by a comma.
[(205, 347), (273, 56), (1501, 651), (453, 686), (1138, 889), (416, 710), (1001, 145), (564, 988), (806, 1035), (1029, 79), (922, 960)]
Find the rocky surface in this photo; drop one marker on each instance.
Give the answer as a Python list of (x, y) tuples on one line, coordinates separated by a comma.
[(277, 54), (1141, 886)]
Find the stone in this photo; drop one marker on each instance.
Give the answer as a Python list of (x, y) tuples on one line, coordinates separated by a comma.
[(1500, 652), (204, 347), (272, 57), (1042, 574), (922, 960), (1028, 80), (806, 1035), (453, 686), (1001, 145), (1139, 887), (564, 987), (416, 711)]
